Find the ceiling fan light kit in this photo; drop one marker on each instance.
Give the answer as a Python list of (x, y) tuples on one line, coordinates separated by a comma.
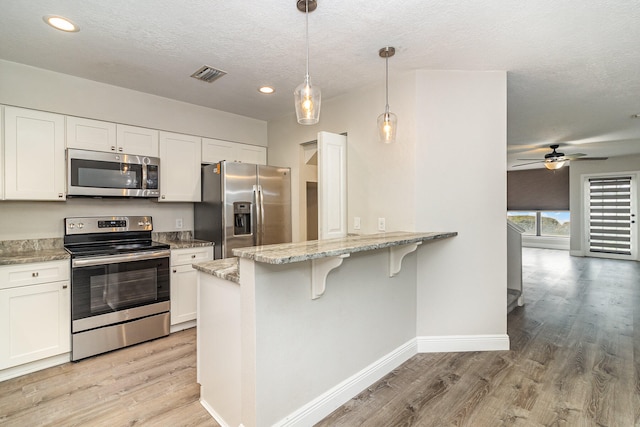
[(387, 121), (307, 97)]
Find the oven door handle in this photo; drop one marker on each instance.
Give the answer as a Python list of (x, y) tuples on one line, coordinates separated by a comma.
[(114, 259)]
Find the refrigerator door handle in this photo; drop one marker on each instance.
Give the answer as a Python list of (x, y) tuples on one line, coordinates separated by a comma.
[(260, 215)]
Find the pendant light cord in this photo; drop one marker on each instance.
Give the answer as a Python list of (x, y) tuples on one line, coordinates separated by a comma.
[(386, 60), (306, 14)]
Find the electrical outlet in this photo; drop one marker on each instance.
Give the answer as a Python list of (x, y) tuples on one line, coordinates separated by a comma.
[(178, 223), (381, 224), (356, 223)]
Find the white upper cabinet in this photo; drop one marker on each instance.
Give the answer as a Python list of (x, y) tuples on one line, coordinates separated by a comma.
[(96, 135), (216, 150), (180, 157), (1, 152), (87, 134), (34, 161), (136, 140)]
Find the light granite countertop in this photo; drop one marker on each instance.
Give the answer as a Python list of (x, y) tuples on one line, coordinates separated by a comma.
[(226, 268), (32, 250), (179, 239), (286, 253)]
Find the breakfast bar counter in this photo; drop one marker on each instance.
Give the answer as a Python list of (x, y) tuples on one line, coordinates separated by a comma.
[(289, 332)]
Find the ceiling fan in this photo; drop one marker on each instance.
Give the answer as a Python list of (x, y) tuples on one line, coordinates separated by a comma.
[(555, 159)]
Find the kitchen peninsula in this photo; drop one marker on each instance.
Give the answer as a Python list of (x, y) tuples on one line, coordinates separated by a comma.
[(289, 332)]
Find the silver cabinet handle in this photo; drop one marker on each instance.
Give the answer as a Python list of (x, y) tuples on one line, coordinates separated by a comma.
[(36, 274)]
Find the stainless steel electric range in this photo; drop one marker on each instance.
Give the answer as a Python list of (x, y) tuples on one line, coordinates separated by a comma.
[(119, 283)]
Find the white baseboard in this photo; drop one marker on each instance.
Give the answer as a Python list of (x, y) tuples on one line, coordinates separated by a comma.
[(546, 242), (337, 396), (182, 326), (214, 414), (578, 252), (38, 365), (456, 343)]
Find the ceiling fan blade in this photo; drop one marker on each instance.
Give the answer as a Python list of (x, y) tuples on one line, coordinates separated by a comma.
[(591, 158), (574, 156), (527, 160), (530, 163)]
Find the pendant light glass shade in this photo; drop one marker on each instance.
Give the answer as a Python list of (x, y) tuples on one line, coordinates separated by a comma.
[(387, 121), (307, 98), (387, 125)]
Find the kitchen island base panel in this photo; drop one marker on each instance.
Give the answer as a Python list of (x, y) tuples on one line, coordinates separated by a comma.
[(297, 357)]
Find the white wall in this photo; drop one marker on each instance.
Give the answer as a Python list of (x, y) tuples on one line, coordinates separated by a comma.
[(41, 220), (30, 87), (576, 191), (380, 178), (447, 172), (461, 153), (39, 89)]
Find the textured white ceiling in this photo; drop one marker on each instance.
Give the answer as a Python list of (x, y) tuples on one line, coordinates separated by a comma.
[(573, 65)]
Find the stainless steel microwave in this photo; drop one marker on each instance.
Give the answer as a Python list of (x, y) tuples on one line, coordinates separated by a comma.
[(101, 174)]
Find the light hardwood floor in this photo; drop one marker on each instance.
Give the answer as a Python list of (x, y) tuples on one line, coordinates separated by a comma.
[(152, 384), (575, 361)]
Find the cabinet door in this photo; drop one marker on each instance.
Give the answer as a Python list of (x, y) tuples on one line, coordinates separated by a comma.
[(89, 134), (35, 323), (184, 294), (136, 140), (252, 154), (179, 167), (1, 152), (216, 150), (34, 155)]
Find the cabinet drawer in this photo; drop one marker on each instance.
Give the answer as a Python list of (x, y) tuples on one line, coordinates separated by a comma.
[(191, 255), (12, 276)]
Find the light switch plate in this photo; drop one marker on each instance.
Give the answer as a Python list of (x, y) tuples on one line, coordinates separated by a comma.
[(178, 223), (356, 223), (381, 224)]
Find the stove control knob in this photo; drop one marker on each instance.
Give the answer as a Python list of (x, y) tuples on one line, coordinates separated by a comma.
[(72, 226), (80, 225), (140, 224), (147, 224)]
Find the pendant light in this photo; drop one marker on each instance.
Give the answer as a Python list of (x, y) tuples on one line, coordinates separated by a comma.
[(307, 97), (387, 121)]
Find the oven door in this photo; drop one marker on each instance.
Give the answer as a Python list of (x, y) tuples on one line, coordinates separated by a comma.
[(117, 288)]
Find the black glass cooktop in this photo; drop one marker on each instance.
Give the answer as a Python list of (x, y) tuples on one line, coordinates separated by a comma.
[(113, 248)]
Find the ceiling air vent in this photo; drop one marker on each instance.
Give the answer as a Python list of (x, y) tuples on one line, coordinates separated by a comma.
[(208, 74)]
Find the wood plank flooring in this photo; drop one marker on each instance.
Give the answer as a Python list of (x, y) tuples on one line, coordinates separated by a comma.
[(152, 384), (574, 361)]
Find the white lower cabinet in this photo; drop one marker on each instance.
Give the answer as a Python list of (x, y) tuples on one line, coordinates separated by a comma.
[(184, 294), (35, 312)]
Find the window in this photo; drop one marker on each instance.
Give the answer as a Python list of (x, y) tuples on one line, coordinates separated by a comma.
[(542, 223)]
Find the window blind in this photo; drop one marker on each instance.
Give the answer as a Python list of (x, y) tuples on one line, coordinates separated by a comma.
[(610, 215)]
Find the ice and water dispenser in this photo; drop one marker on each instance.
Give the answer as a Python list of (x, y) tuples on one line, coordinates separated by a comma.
[(241, 218)]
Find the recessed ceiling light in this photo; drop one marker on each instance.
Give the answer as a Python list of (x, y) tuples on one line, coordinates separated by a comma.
[(266, 90), (61, 23)]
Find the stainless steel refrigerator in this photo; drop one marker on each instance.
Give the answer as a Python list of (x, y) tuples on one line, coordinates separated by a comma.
[(243, 205)]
